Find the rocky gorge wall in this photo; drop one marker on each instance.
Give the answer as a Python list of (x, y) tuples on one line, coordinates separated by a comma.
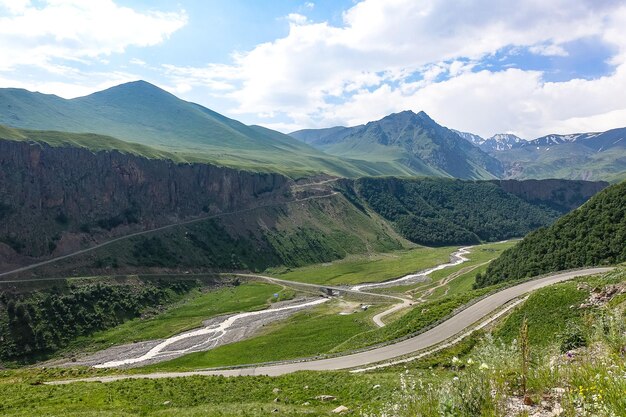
[(54, 200)]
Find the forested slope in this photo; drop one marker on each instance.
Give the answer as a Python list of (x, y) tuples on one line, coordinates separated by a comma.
[(594, 234), (36, 323), (436, 212)]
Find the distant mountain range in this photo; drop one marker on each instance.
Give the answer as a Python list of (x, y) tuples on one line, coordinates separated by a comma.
[(598, 141), (498, 142), (143, 119), (413, 141), (590, 156), (418, 143), (595, 155)]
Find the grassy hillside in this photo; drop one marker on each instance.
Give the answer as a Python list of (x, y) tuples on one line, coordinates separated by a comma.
[(409, 140), (592, 235), (288, 234), (568, 160), (167, 127), (288, 160), (437, 212)]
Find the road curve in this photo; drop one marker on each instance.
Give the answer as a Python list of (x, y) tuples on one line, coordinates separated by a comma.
[(434, 336)]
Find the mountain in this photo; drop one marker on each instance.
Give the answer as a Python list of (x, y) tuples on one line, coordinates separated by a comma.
[(413, 142), (594, 234), (58, 196), (55, 200), (587, 156), (498, 142), (321, 137), (472, 138), (501, 142), (142, 113), (590, 156), (551, 140), (597, 141)]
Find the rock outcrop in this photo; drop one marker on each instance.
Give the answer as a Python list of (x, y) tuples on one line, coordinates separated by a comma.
[(53, 199)]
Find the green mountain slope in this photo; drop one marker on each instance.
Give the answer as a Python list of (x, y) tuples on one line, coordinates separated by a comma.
[(568, 160), (590, 156), (594, 234), (413, 141), (142, 113), (438, 211)]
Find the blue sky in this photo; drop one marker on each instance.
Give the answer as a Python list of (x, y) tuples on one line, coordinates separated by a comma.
[(481, 66)]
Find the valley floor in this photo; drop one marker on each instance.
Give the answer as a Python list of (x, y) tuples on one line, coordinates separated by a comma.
[(280, 332), (573, 370), (257, 322)]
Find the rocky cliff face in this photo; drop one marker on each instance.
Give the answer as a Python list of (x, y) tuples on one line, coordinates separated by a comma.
[(55, 200), (561, 195)]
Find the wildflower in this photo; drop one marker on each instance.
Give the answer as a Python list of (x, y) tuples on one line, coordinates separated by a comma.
[(470, 361), (483, 366), (456, 378), (455, 360)]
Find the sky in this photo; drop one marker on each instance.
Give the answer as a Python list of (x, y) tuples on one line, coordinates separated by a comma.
[(529, 67)]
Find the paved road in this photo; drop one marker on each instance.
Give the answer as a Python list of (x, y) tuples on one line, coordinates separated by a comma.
[(436, 335)]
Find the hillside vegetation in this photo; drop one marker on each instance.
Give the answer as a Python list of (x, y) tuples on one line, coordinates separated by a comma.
[(157, 124), (594, 234), (436, 212), (37, 323), (287, 234), (410, 141)]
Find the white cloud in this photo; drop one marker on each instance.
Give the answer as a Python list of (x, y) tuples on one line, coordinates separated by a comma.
[(548, 50), (138, 62), (386, 56), (74, 30), (321, 75), (297, 18), (14, 6)]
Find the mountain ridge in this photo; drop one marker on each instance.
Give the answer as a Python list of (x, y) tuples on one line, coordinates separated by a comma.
[(588, 156), (413, 140), (139, 112)]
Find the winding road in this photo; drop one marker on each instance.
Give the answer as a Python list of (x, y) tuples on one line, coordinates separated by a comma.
[(438, 334)]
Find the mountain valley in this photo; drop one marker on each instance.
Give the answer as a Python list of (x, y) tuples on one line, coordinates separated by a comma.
[(143, 236)]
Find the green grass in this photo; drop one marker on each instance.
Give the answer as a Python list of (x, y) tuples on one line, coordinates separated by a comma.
[(464, 281), (417, 318), (186, 315), (368, 268), (193, 396), (308, 333), (420, 388), (551, 310)]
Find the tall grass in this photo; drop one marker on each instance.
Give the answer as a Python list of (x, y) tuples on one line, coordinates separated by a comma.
[(516, 379)]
